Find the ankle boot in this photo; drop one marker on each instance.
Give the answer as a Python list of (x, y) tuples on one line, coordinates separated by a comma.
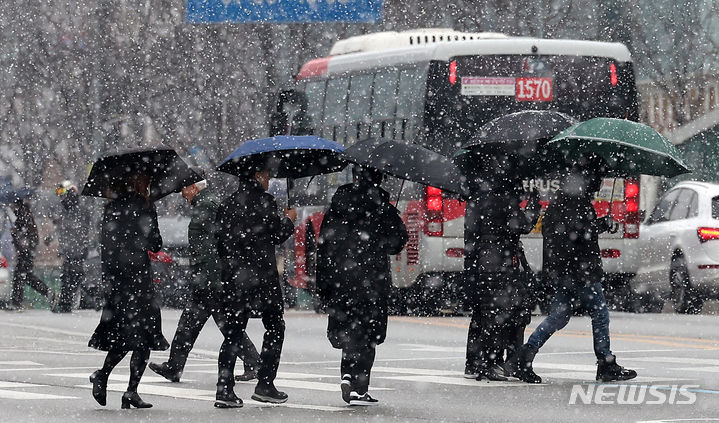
[(608, 370), (133, 399), (99, 387), (520, 366)]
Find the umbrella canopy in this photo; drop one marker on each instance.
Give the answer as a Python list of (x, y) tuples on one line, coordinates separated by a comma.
[(9, 194), (298, 156), (168, 172), (520, 130), (629, 148), (407, 161)]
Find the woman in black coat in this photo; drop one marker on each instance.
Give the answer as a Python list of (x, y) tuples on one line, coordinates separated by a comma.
[(131, 316), (359, 232)]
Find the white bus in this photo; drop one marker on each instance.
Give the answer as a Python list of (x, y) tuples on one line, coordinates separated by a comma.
[(435, 87)]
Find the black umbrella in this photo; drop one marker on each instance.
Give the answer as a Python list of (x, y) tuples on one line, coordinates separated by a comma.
[(520, 131), (167, 171), (406, 161)]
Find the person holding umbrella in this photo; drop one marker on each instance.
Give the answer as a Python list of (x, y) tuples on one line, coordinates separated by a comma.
[(249, 226), (205, 297), (573, 263), (359, 232), (131, 318)]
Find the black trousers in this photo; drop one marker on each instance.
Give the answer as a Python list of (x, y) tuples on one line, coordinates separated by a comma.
[(357, 362), (23, 275), (73, 274), (202, 304), (268, 301)]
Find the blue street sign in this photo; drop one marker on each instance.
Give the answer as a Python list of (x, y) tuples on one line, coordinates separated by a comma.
[(285, 11)]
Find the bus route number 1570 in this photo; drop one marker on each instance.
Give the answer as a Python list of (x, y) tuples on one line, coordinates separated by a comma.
[(534, 89)]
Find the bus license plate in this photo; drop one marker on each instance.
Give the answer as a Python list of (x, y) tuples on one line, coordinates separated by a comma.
[(534, 89)]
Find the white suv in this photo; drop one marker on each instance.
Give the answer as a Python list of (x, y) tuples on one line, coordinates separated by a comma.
[(679, 248)]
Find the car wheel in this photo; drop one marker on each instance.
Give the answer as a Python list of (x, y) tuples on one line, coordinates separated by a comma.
[(687, 299)]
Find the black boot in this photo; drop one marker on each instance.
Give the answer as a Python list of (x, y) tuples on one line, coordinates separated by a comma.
[(99, 387), (608, 370), (520, 366), (492, 374), (266, 392), (133, 399), (226, 398), (164, 370), (249, 374)]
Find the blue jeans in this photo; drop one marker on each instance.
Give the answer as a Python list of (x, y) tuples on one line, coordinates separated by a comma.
[(592, 299)]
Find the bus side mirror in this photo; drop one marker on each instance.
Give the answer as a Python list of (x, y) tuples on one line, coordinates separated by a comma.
[(289, 116)]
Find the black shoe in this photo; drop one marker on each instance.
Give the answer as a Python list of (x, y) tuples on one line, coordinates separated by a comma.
[(346, 387), (249, 374), (266, 392), (471, 372), (608, 370), (520, 365), (365, 399), (165, 371), (99, 387), (491, 374), (133, 399), (227, 399)]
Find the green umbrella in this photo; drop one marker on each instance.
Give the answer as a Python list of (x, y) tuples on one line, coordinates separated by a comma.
[(629, 148)]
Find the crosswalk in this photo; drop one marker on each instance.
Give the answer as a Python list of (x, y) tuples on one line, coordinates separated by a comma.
[(68, 383)]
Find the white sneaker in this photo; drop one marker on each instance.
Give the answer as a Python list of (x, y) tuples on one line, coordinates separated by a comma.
[(362, 400)]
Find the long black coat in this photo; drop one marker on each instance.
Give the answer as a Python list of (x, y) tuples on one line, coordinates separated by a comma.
[(131, 316), (571, 240), (359, 232), (249, 226), (24, 231)]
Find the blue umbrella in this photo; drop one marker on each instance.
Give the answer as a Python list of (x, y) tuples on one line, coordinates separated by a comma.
[(296, 156), (9, 194)]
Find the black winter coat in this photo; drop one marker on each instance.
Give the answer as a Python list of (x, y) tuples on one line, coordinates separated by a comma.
[(131, 315), (73, 226), (24, 231), (571, 240), (359, 232), (249, 226)]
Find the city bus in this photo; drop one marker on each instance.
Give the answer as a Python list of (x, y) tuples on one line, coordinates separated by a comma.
[(435, 88)]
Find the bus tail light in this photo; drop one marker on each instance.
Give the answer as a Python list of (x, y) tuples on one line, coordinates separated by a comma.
[(631, 204), (434, 224), (708, 234), (613, 78), (160, 257), (3, 263), (453, 72)]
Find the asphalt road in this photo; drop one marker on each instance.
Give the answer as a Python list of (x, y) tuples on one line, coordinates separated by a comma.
[(45, 363)]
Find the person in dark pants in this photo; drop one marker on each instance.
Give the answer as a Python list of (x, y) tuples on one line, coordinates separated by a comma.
[(249, 226), (25, 240), (494, 284), (573, 263), (205, 297), (72, 232), (131, 319), (359, 232)]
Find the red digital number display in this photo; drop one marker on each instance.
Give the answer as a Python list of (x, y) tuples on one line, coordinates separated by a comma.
[(534, 89)]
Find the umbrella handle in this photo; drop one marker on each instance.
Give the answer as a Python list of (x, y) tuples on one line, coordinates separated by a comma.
[(399, 194)]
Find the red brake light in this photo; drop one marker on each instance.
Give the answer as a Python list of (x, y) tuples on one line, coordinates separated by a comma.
[(434, 225), (161, 257), (708, 234), (613, 74), (3, 262), (631, 204), (453, 72)]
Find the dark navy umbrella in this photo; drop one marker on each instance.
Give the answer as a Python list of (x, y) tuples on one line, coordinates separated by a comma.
[(9, 194), (295, 156)]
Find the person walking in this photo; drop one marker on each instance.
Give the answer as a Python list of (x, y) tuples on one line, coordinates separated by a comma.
[(131, 319), (73, 226), (573, 263), (205, 296), (359, 232), (494, 284), (249, 226), (25, 240)]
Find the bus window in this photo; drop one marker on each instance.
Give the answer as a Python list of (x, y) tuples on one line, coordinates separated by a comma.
[(410, 103), (384, 104), (358, 109), (335, 109), (315, 92)]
